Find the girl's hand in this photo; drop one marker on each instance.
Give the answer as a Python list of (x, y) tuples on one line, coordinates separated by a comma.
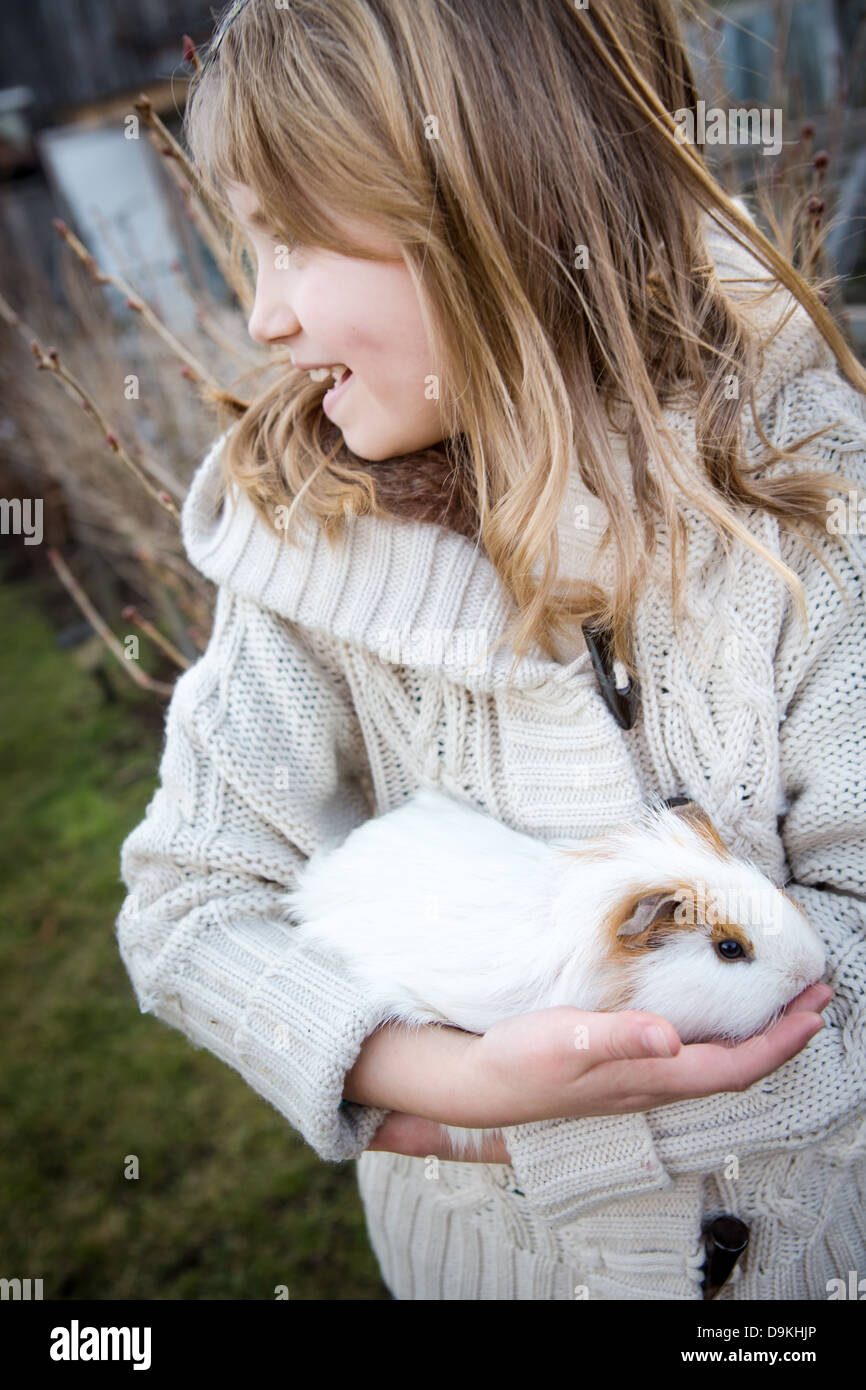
[(566, 1062), (419, 1138)]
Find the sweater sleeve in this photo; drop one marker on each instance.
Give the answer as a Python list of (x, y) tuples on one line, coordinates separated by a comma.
[(260, 764), (566, 1167)]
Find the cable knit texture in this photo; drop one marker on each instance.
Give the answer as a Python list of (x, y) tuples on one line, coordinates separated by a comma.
[(334, 682)]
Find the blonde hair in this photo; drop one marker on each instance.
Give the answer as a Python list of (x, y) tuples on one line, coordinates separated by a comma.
[(554, 131)]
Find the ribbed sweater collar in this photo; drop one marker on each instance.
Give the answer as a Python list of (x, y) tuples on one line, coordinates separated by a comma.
[(388, 585), (412, 591)]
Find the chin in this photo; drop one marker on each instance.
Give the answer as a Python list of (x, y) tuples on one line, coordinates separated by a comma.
[(379, 445), (369, 453), (374, 451)]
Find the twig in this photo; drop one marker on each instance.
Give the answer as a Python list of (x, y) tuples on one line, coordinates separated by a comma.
[(180, 580), (132, 614), (14, 320), (134, 301), (50, 362), (224, 341), (144, 107), (171, 484), (207, 220), (132, 668), (196, 210), (177, 609), (190, 54)]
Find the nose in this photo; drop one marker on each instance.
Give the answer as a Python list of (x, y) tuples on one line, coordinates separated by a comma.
[(272, 319)]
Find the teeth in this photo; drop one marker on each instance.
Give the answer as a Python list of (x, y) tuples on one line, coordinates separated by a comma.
[(322, 373)]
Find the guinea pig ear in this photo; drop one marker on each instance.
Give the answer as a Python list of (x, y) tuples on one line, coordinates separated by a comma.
[(647, 911), (684, 806), (697, 817)]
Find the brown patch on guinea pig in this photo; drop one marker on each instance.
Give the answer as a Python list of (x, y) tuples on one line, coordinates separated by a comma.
[(732, 931), (617, 997), (644, 920), (643, 923), (700, 821), (640, 925)]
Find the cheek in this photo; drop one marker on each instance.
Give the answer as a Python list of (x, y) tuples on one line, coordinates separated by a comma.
[(323, 311), (338, 321), (368, 315), (383, 326), (391, 372)]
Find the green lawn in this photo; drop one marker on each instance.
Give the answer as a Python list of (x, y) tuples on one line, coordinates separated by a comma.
[(230, 1201)]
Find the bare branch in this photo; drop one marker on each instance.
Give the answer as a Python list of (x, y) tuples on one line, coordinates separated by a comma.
[(132, 668), (132, 614), (197, 371)]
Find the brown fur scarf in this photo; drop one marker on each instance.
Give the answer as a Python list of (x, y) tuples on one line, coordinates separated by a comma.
[(426, 487)]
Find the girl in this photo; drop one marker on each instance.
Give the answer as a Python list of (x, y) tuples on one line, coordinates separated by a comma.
[(544, 321)]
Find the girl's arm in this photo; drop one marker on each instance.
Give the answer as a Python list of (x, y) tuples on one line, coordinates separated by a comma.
[(259, 766), (527, 1068)]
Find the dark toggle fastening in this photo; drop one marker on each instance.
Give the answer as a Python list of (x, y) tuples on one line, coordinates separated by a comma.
[(622, 703), (725, 1239)]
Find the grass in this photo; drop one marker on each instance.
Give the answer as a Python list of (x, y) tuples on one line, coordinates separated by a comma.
[(229, 1202)]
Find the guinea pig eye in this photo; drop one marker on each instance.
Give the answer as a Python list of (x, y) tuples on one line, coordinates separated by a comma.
[(729, 949)]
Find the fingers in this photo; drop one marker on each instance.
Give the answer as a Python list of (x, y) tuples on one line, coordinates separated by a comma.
[(698, 1069), (813, 999), (416, 1137), (704, 1069), (629, 1034), (400, 1133)]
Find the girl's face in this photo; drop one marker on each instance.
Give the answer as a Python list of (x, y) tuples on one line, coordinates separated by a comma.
[(331, 310)]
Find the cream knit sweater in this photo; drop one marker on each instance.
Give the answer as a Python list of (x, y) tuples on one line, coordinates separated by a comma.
[(328, 673)]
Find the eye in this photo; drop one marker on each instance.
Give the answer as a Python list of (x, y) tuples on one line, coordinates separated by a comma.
[(729, 949)]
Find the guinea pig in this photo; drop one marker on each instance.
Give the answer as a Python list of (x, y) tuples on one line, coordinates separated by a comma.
[(446, 915)]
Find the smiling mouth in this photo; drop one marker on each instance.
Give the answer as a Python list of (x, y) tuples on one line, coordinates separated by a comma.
[(336, 391)]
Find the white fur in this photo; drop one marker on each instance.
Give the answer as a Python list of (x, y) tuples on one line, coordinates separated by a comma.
[(447, 915)]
